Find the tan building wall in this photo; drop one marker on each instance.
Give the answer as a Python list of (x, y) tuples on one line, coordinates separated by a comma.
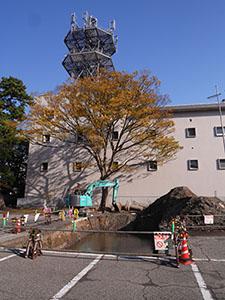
[(141, 185)]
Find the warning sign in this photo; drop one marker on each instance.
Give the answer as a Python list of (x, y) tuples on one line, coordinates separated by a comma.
[(209, 219), (161, 240)]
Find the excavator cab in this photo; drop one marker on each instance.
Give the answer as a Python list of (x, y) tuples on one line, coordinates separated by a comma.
[(78, 200), (79, 192)]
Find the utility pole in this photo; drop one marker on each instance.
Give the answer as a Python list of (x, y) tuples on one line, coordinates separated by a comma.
[(220, 112)]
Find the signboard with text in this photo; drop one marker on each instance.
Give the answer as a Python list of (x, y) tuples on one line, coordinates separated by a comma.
[(161, 240), (209, 219)]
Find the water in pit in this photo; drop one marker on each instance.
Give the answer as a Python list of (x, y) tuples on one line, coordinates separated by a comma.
[(115, 243)]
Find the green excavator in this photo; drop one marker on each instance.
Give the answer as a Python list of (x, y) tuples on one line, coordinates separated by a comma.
[(83, 198)]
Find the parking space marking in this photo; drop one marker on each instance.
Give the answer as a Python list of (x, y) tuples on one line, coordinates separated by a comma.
[(202, 285), (7, 257), (71, 253), (128, 256), (78, 277), (210, 259), (108, 255)]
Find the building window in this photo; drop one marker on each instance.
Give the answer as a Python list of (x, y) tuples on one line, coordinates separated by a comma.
[(77, 166), (221, 164), (70, 138), (80, 138), (193, 164), (190, 132), (44, 167), (115, 165), (46, 138), (115, 135), (219, 131), (152, 165)]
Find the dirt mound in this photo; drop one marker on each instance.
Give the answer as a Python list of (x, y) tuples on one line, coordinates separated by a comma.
[(180, 201)]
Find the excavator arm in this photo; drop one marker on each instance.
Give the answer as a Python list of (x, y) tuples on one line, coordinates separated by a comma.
[(104, 183), (85, 199)]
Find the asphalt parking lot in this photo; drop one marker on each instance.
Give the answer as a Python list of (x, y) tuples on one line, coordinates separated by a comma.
[(69, 275)]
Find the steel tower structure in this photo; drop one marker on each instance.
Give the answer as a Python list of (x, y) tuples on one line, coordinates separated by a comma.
[(90, 47)]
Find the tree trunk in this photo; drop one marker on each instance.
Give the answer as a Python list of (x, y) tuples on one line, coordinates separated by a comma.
[(104, 198), (2, 202)]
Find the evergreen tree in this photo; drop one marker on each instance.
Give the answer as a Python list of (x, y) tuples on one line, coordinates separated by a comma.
[(13, 149)]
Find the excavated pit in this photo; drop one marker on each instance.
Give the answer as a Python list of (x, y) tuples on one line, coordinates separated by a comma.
[(180, 201), (59, 239)]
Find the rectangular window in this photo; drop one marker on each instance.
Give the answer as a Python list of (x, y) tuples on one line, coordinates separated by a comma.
[(115, 135), (193, 164), (115, 165), (77, 166), (219, 131), (69, 138), (46, 138), (44, 167), (221, 164), (190, 132), (80, 138), (152, 165)]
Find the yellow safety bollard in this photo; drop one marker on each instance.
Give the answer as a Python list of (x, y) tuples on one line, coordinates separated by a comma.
[(62, 215), (76, 213)]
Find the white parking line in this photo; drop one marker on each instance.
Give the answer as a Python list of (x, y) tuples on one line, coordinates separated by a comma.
[(71, 253), (74, 281), (202, 285), (210, 259), (7, 257), (108, 255), (127, 256)]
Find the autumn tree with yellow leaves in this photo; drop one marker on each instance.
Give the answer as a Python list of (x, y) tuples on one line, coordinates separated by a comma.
[(118, 118)]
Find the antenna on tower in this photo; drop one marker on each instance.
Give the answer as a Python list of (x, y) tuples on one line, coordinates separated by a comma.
[(93, 21), (73, 22), (85, 18), (217, 95), (112, 26)]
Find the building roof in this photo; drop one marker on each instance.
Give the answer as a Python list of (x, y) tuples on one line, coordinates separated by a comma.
[(196, 107)]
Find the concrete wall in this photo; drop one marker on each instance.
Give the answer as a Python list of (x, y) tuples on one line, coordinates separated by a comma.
[(205, 147), (140, 185)]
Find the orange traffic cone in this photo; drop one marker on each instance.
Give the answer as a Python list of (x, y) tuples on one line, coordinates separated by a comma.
[(18, 225), (185, 257)]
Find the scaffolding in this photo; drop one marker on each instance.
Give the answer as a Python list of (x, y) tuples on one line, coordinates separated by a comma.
[(90, 48)]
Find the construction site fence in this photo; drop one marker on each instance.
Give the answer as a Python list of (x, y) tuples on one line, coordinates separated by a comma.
[(104, 231), (205, 221), (8, 228), (147, 200), (191, 221), (141, 200)]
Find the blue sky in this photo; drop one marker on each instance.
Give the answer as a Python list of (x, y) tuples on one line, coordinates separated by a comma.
[(181, 41)]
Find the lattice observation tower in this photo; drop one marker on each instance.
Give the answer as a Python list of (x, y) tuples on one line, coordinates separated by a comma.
[(90, 47)]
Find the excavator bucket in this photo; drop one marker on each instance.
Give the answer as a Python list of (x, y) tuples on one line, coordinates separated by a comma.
[(117, 206)]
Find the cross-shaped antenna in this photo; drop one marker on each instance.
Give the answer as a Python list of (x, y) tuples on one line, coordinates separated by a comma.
[(216, 95), (220, 112)]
